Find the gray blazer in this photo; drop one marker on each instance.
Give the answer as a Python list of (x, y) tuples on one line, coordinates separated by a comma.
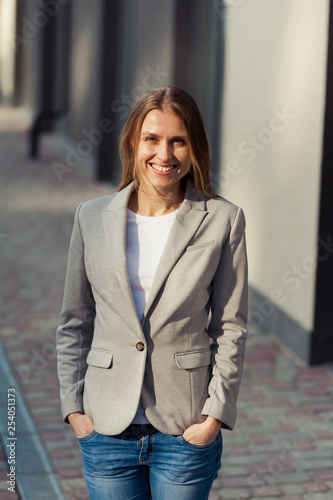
[(185, 359)]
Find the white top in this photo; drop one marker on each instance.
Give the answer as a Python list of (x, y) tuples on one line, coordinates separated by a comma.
[(145, 241)]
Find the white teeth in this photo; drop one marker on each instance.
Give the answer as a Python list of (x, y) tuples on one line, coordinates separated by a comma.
[(162, 169)]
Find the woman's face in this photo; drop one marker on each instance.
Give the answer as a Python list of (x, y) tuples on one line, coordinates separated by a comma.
[(163, 156)]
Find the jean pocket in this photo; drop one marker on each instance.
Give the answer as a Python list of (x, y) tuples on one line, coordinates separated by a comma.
[(88, 437), (193, 446)]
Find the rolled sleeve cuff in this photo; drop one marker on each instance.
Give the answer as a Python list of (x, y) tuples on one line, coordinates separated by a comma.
[(226, 414)]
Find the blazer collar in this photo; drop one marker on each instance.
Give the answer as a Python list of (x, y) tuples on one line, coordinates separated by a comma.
[(193, 199), (189, 217), (120, 199)]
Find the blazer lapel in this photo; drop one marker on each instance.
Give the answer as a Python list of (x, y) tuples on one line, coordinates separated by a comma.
[(115, 223), (188, 219)]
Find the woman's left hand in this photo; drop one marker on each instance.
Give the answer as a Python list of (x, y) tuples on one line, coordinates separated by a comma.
[(203, 433)]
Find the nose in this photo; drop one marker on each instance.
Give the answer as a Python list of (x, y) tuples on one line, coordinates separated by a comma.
[(164, 152)]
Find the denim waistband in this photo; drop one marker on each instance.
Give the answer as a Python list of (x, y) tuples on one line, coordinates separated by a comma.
[(136, 431)]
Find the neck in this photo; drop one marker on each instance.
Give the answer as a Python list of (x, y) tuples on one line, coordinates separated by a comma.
[(154, 203)]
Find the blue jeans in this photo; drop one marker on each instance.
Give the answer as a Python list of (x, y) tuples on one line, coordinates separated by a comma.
[(142, 463)]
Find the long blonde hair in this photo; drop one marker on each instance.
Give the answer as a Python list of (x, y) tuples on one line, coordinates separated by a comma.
[(179, 102)]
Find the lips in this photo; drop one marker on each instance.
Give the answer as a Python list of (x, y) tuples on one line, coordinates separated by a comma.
[(162, 168)]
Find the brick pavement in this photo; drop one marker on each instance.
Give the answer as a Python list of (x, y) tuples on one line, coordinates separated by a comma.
[(283, 443)]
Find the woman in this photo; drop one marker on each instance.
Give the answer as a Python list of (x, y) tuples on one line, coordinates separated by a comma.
[(153, 326)]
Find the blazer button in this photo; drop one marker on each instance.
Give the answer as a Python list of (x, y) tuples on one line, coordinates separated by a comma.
[(140, 346)]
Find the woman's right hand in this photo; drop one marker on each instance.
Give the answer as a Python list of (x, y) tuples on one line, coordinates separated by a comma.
[(82, 424)]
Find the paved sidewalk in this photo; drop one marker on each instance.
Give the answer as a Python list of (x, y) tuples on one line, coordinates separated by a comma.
[(283, 443)]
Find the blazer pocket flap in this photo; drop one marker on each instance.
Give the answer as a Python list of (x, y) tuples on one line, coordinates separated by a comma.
[(193, 359), (102, 359), (190, 248)]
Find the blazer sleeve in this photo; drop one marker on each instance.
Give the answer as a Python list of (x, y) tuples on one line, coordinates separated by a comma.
[(227, 328), (75, 331)]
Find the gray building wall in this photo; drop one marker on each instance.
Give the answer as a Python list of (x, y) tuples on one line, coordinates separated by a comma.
[(28, 53), (273, 110), (84, 68)]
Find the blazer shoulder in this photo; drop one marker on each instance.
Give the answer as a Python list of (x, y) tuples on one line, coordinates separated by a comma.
[(96, 205), (223, 206), (225, 214)]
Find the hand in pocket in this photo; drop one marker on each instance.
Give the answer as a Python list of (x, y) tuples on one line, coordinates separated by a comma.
[(204, 433), (82, 424)]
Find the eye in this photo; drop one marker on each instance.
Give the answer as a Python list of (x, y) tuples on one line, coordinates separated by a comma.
[(179, 140), (149, 139)]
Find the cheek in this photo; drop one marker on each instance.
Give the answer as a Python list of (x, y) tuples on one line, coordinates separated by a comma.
[(187, 162), (142, 154), (146, 152)]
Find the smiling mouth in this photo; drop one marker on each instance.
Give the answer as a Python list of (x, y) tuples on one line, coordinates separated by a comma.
[(161, 168)]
